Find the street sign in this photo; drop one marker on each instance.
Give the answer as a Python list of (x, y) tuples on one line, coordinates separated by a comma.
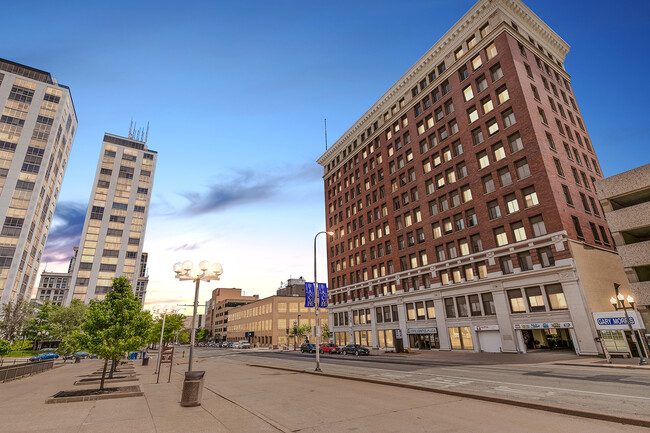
[(310, 296), (166, 357)]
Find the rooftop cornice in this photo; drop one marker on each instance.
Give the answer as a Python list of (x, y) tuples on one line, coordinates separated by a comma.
[(474, 17)]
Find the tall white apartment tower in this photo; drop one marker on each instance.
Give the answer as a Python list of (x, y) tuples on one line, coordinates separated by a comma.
[(116, 219), (37, 127)]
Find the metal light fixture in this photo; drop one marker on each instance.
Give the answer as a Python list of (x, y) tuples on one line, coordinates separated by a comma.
[(317, 302), (619, 302), (186, 271)]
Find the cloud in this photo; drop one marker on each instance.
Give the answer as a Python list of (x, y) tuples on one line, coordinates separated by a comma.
[(248, 186), (187, 247), (65, 232)]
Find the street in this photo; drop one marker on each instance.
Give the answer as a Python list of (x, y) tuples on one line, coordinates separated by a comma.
[(597, 389)]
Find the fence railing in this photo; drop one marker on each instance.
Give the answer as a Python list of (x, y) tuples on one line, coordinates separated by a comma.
[(10, 372)]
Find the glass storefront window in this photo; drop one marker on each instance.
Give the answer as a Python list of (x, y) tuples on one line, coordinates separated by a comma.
[(454, 336), (466, 336), (461, 338), (555, 297), (614, 341)]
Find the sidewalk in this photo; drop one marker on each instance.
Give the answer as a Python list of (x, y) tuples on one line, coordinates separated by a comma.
[(240, 398)]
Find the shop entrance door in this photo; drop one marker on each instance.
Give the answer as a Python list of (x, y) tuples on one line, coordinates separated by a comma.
[(547, 339)]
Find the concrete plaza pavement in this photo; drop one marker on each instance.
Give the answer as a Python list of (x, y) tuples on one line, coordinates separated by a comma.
[(240, 398)]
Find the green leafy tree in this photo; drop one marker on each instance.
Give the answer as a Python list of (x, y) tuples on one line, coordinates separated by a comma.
[(72, 343), (38, 327), (14, 317), (64, 321), (301, 331), (202, 335), (173, 324), (115, 325), (5, 348), (325, 331), (184, 336)]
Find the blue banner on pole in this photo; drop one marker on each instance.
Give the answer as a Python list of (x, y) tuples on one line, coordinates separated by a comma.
[(310, 296), (322, 295)]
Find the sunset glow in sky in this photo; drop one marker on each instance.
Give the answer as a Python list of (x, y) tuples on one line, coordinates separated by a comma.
[(236, 93)]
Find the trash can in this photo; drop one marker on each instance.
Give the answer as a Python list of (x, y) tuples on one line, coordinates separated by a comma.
[(192, 388), (145, 361)]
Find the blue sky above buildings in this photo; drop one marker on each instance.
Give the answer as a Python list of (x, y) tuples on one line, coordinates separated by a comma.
[(236, 94)]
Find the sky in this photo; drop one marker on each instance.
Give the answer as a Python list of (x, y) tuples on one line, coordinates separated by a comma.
[(236, 94)]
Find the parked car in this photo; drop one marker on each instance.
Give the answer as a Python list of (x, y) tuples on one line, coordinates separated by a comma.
[(82, 355), (355, 349), (329, 348), (43, 356), (243, 344), (308, 347)]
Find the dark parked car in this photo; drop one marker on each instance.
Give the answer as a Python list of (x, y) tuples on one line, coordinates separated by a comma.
[(329, 348), (354, 349), (308, 347), (43, 356)]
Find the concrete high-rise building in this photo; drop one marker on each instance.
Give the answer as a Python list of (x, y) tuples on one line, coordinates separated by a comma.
[(37, 127), (114, 229), (463, 200), (143, 278)]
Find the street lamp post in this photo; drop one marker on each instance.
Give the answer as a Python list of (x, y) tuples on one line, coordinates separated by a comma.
[(317, 302), (619, 302), (163, 311), (205, 272)]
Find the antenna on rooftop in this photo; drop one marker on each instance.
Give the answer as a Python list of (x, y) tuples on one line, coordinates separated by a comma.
[(131, 128), (147, 134), (326, 133)]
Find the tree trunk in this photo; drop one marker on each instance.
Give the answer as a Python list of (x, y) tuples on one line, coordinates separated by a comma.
[(110, 374), (101, 384)]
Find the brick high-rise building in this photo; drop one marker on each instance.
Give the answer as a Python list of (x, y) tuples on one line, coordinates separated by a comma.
[(37, 128), (116, 219), (463, 200)]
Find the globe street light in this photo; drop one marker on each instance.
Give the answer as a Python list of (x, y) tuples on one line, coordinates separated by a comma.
[(619, 302), (317, 302), (205, 272), (162, 310)]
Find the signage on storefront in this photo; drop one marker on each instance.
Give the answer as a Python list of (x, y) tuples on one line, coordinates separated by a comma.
[(422, 331), (615, 320), (398, 333), (486, 328), (548, 325)]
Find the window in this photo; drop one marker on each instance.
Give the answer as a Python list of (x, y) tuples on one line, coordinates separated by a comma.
[(502, 94), (555, 297), (504, 176), (518, 231), (525, 261), (508, 118), (461, 302), (470, 215), (488, 184), (506, 265), (498, 152), (545, 256), (488, 304), (468, 93), (450, 308), (535, 299), (515, 142), (483, 160), (472, 114), (445, 87), (449, 107), (500, 236), (477, 136), (530, 197), (481, 83), (466, 193), (577, 227), (487, 105), (491, 51), (537, 225), (523, 170), (492, 126), (516, 301), (485, 30), (471, 42), (431, 312), (495, 72), (512, 205), (558, 167), (463, 73), (493, 209), (477, 62)]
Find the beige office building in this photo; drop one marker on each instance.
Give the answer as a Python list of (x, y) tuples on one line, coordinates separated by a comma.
[(116, 219), (269, 321), (37, 127), (218, 307), (625, 199)]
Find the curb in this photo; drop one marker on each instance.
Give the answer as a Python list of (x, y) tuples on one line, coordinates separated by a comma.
[(488, 398), (577, 364), (53, 400)]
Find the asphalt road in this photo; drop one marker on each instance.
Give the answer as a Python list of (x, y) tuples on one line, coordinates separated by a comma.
[(599, 389)]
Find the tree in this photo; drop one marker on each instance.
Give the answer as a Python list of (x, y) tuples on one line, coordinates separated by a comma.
[(64, 321), (173, 324), (38, 327), (115, 325), (184, 336), (202, 335), (5, 348), (325, 331), (14, 316), (300, 331)]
